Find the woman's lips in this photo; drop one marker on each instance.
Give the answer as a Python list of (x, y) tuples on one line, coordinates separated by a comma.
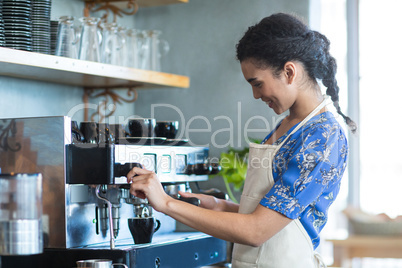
[(269, 103)]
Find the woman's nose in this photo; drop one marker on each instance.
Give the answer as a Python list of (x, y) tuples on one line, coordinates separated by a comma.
[(256, 94)]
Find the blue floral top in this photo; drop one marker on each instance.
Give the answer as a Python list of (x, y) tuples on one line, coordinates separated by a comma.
[(307, 171)]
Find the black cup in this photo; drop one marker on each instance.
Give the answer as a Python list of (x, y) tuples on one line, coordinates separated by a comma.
[(166, 129), (76, 134), (117, 131), (90, 132), (104, 135), (141, 127), (142, 229)]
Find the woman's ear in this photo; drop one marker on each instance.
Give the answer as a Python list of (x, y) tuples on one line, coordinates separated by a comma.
[(290, 71)]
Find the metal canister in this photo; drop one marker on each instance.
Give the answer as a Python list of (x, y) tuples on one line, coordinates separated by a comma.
[(21, 214)]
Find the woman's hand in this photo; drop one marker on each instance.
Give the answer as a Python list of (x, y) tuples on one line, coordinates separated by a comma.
[(145, 184)]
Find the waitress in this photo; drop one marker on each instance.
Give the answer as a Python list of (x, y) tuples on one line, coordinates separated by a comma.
[(294, 175)]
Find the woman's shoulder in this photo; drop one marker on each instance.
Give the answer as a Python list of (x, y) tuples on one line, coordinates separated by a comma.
[(325, 120), (325, 125)]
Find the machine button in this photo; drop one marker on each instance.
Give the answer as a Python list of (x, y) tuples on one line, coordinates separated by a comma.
[(149, 162), (165, 163)]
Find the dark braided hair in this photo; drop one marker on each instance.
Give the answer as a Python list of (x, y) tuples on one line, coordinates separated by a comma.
[(280, 38)]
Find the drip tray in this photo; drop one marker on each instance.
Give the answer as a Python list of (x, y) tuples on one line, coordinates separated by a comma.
[(178, 249), (157, 240)]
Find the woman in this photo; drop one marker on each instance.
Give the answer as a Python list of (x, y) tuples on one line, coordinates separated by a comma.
[(294, 175)]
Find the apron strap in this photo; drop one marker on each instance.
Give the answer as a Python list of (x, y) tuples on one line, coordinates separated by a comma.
[(324, 103), (319, 260)]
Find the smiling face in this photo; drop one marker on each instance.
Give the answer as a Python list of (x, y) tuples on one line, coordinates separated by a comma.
[(279, 92)]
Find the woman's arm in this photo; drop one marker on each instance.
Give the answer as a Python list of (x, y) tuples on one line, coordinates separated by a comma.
[(249, 229)]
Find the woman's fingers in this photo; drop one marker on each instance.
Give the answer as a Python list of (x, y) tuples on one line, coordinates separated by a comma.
[(144, 184), (206, 201), (135, 172), (187, 194), (138, 189), (148, 186)]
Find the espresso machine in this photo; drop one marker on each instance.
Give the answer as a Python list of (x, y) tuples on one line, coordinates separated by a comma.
[(86, 198)]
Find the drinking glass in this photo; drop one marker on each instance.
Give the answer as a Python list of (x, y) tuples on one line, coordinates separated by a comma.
[(112, 44), (67, 38), (134, 47), (154, 49), (90, 39), (122, 52)]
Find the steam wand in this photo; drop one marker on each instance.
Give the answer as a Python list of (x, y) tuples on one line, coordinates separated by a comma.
[(109, 206)]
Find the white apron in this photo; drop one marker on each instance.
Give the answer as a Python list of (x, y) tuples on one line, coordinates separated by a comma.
[(289, 248)]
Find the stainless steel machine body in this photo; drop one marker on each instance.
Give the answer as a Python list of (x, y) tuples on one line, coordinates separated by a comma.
[(76, 221)]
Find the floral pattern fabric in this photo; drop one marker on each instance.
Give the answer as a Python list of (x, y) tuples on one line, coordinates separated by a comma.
[(307, 171)]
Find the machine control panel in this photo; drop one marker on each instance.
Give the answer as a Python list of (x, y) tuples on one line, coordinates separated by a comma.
[(92, 164)]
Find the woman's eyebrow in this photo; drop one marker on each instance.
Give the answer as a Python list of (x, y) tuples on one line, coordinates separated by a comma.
[(251, 79)]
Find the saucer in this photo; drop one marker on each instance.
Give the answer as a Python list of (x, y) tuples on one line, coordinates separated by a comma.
[(142, 140)]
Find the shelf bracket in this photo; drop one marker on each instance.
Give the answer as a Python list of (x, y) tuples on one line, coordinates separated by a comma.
[(102, 5), (106, 108), (8, 129)]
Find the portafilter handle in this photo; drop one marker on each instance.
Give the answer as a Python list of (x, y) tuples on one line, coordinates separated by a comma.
[(216, 193), (173, 190), (121, 170), (191, 200)]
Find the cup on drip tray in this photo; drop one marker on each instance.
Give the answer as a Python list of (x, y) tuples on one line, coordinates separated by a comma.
[(141, 127), (143, 229), (143, 225), (166, 129), (98, 263)]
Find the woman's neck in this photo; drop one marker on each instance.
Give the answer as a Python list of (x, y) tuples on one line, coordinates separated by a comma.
[(306, 102)]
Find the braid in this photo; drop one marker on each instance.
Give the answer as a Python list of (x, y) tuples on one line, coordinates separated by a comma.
[(280, 38), (328, 65), (351, 124)]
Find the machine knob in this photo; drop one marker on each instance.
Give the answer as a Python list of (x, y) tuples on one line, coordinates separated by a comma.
[(199, 169), (216, 168)]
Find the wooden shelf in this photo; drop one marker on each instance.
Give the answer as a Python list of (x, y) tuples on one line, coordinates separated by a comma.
[(151, 3), (62, 70), (144, 3)]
